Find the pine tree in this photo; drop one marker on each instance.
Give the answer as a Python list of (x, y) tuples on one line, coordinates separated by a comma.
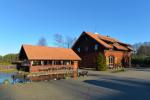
[(101, 62)]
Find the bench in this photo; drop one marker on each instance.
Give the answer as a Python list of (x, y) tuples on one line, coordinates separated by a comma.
[(83, 73)]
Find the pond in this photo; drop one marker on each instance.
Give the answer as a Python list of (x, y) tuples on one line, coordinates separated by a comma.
[(4, 76)]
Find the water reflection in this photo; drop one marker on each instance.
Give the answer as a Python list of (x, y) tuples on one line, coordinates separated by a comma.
[(4, 76)]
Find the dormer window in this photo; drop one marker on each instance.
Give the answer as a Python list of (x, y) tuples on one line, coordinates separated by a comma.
[(96, 47)]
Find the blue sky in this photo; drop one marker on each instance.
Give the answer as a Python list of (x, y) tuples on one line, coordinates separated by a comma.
[(25, 21)]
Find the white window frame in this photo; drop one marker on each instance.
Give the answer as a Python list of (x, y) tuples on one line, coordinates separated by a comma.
[(96, 47)]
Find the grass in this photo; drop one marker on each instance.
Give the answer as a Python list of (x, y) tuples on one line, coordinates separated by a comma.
[(8, 70), (5, 64)]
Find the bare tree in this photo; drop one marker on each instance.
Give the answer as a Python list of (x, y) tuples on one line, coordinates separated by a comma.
[(66, 42), (42, 42), (59, 40), (69, 41)]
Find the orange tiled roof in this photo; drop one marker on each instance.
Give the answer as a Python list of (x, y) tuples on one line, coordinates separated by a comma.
[(108, 42), (120, 47), (49, 53), (96, 37)]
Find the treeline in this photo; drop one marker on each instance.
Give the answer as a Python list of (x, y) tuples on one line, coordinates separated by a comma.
[(8, 59), (141, 56)]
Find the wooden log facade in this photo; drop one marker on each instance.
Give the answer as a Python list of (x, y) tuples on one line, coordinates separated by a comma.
[(89, 45)]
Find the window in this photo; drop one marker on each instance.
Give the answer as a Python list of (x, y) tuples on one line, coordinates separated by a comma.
[(111, 61), (45, 62), (67, 62), (57, 62), (36, 63), (49, 62), (79, 49), (96, 47), (85, 38)]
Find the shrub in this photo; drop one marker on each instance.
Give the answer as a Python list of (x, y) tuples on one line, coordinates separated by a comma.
[(101, 63), (118, 70), (141, 60), (147, 61)]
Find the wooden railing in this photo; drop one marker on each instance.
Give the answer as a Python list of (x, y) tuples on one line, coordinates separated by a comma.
[(52, 68)]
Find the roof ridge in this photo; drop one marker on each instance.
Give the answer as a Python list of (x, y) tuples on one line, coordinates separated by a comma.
[(108, 37), (44, 46), (98, 34)]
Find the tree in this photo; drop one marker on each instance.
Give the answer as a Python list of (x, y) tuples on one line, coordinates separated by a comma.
[(142, 55), (59, 40), (66, 42), (101, 62), (70, 41), (42, 42), (1, 57), (143, 50), (10, 58), (138, 46)]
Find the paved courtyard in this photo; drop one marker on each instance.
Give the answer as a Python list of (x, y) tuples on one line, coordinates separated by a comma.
[(133, 84)]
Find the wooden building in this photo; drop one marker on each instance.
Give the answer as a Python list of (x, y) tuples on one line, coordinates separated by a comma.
[(89, 45), (36, 59)]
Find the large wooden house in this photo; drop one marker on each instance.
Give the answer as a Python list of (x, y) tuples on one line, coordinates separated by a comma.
[(50, 60), (89, 45)]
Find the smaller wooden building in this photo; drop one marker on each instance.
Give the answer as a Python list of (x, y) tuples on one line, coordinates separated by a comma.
[(50, 60)]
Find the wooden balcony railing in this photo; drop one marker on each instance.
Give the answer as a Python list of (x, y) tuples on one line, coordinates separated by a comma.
[(53, 68)]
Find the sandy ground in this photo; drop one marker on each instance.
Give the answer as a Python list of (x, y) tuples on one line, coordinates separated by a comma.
[(132, 84)]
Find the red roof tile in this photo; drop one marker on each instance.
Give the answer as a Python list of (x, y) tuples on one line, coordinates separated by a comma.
[(96, 37), (49, 53), (120, 47), (109, 42)]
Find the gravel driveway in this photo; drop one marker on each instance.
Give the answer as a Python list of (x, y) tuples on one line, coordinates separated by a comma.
[(129, 85)]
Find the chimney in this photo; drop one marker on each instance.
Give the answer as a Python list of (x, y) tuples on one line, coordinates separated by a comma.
[(96, 33)]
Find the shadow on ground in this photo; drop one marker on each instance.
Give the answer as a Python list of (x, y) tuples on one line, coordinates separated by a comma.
[(141, 69), (129, 89)]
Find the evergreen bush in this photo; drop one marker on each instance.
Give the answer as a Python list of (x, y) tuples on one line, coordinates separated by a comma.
[(101, 62)]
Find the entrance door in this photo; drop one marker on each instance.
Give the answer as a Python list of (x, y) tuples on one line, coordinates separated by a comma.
[(111, 61)]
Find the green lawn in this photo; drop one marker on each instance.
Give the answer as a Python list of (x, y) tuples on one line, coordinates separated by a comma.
[(5, 64), (9, 70)]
